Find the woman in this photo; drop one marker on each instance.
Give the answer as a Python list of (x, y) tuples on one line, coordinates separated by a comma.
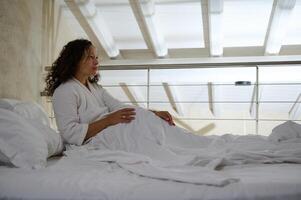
[(82, 107)]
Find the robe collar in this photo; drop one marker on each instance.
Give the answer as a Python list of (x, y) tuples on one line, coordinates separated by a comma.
[(92, 90), (82, 85)]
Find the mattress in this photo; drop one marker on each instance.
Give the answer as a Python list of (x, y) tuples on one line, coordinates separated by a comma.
[(66, 178)]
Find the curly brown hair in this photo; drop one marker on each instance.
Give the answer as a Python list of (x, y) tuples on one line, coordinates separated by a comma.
[(65, 66)]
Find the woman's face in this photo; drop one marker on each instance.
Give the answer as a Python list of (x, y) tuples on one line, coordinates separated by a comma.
[(88, 64)]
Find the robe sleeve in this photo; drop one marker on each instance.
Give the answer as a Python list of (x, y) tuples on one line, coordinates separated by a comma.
[(65, 105)]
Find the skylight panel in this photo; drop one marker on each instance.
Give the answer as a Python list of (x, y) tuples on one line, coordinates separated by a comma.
[(71, 22), (293, 36), (181, 23), (246, 22), (122, 24)]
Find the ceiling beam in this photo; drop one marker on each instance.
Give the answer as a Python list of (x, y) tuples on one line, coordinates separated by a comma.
[(215, 15), (294, 112), (173, 98), (177, 63), (206, 129), (202, 131), (144, 12), (200, 62), (183, 124), (94, 25), (205, 20), (204, 52), (139, 95), (210, 98), (86, 27), (278, 25), (128, 93), (252, 107)]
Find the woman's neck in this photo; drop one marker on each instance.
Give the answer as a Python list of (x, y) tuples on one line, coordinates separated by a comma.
[(82, 79)]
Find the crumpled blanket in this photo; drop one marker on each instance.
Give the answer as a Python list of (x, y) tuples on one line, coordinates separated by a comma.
[(149, 147)]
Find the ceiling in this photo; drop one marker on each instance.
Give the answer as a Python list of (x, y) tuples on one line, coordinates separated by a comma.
[(151, 29)]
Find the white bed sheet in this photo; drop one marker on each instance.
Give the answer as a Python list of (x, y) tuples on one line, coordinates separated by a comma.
[(66, 178)]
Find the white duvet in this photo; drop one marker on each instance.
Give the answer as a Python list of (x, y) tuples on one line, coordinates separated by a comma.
[(149, 147)]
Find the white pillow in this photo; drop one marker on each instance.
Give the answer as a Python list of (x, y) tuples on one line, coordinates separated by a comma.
[(38, 118), (53, 139), (20, 142), (8, 103), (285, 131), (32, 110), (29, 110)]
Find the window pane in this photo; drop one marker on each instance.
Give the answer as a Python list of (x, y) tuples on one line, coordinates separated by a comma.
[(219, 127), (185, 93), (136, 94), (280, 111), (283, 74), (129, 86), (115, 77), (279, 92), (199, 93), (203, 75), (202, 110)]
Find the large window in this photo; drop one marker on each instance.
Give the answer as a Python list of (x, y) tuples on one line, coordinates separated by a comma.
[(212, 100)]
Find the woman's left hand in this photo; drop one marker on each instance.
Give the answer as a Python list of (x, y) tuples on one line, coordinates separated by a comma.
[(165, 116)]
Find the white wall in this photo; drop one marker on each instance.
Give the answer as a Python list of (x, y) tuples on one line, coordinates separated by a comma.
[(20, 48), (32, 34)]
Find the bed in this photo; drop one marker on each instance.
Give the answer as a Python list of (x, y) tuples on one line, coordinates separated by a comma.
[(57, 176), (71, 179)]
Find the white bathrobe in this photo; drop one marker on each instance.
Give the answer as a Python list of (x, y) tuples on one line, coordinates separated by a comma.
[(75, 107)]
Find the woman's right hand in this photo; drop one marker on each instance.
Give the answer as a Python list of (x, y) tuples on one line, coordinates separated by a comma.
[(125, 115)]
